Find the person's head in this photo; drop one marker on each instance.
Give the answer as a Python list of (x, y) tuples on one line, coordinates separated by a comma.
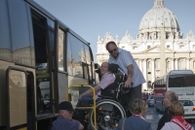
[(65, 109), (104, 68), (169, 98), (138, 106), (112, 48), (176, 109)]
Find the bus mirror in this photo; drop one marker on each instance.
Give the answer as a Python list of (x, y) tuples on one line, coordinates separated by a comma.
[(97, 66), (97, 71)]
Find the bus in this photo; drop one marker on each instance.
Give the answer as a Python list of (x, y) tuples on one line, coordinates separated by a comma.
[(40, 58), (182, 82)]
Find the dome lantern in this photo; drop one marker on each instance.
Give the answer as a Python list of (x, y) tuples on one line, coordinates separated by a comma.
[(157, 19), (159, 4)]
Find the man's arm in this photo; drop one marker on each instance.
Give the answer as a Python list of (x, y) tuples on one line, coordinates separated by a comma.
[(129, 76)]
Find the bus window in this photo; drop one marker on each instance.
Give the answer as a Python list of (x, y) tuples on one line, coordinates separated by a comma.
[(5, 46), (77, 55), (187, 103), (61, 36), (21, 44), (181, 81), (89, 58), (85, 71), (69, 60), (42, 58)]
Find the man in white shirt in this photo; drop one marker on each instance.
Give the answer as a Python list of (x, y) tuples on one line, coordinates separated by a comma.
[(126, 62)]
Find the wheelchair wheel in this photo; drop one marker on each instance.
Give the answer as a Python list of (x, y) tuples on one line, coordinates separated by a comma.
[(108, 114)]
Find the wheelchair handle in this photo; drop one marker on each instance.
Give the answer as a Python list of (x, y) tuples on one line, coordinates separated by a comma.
[(123, 89)]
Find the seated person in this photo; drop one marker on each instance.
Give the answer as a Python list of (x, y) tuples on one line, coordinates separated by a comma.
[(177, 121), (64, 120), (107, 78), (136, 121)]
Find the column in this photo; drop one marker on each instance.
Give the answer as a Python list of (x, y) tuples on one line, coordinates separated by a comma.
[(176, 64), (172, 66), (140, 65), (144, 73), (188, 63), (153, 70), (144, 69)]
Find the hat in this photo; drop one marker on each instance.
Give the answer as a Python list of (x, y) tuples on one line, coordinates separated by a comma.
[(65, 105)]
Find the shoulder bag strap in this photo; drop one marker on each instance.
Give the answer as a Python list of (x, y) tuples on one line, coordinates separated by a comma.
[(123, 124)]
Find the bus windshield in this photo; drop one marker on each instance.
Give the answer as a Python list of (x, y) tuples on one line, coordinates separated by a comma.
[(185, 80)]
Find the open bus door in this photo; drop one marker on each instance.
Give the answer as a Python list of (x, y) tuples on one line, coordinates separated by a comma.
[(20, 100)]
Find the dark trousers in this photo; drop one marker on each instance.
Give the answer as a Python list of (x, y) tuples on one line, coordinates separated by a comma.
[(127, 98)]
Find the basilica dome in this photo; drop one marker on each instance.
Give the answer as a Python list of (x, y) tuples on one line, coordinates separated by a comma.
[(158, 18)]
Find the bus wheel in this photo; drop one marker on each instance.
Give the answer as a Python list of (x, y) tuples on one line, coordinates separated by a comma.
[(108, 114)]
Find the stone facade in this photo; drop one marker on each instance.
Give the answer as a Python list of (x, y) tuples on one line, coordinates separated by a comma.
[(159, 46)]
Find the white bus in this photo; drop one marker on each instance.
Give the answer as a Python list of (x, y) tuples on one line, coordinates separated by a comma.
[(182, 82)]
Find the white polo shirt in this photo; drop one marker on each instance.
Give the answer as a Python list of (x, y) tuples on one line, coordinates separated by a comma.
[(124, 59)]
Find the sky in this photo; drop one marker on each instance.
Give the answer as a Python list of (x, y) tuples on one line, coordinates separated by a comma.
[(93, 18)]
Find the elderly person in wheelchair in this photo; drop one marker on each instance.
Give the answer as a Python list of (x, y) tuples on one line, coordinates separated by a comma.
[(109, 92), (107, 78)]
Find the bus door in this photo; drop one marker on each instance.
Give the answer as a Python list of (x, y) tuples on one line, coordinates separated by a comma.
[(62, 62), (20, 106), (44, 33)]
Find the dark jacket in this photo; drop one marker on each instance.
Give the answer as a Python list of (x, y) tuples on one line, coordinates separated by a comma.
[(65, 124), (135, 123), (165, 118)]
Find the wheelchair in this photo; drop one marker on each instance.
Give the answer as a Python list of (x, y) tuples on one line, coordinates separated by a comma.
[(109, 107)]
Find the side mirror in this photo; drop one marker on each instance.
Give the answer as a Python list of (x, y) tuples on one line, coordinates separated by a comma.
[(97, 69), (97, 66)]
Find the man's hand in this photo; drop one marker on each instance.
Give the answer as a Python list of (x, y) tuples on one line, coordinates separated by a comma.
[(128, 83)]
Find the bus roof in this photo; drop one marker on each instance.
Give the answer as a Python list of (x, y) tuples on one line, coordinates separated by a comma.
[(174, 72)]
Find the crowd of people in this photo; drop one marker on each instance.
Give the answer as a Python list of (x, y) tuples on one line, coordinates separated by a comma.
[(171, 120)]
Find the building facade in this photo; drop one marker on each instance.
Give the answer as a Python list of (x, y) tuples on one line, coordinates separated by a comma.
[(158, 47)]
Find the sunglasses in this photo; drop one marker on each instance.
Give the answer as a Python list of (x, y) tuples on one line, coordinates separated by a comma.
[(111, 51)]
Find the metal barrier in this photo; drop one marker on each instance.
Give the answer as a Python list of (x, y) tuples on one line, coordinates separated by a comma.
[(74, 92)]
